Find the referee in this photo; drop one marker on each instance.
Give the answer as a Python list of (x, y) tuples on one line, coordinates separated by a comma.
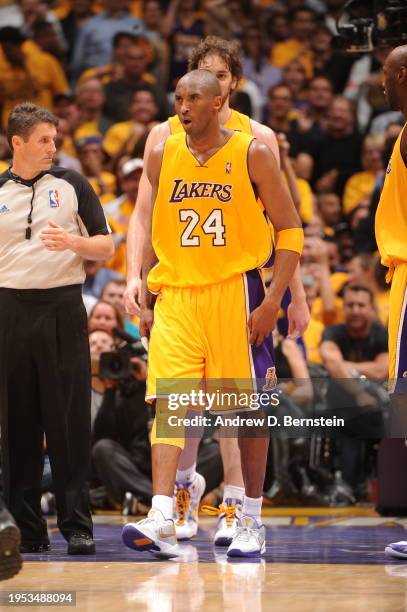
[(50, 221)]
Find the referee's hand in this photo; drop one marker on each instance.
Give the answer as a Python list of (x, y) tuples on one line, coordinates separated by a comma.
[(54, 237)]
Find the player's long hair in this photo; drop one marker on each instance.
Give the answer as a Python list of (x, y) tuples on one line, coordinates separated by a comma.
[(228, 50)]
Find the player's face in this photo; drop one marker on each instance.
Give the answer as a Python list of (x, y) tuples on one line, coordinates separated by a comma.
[(389, 84), (220, 69), (37, 152), (195, 107)]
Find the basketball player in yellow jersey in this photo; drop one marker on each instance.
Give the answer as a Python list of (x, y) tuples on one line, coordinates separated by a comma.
[(201, 255), (220, 57), (391, 236)]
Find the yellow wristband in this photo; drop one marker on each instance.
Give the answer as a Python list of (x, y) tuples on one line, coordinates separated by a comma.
[(291, 239)]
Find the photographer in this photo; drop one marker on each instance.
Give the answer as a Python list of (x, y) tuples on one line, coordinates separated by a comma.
[(120, 452)]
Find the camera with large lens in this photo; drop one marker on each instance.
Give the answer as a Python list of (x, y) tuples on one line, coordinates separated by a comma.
[(117, 365), (369, 23)]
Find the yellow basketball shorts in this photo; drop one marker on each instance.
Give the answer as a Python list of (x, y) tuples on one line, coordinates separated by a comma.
[(200, 339), (398, 330)]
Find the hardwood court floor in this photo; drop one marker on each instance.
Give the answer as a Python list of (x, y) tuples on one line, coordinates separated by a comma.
[(317, 560)]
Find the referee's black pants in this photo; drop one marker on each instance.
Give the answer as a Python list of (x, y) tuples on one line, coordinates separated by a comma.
[(45, 388)]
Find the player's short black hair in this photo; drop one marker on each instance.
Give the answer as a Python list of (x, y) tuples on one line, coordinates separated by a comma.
[(228, 50), (24, 117)]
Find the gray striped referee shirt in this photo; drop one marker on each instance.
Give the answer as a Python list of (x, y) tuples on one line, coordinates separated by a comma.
[(64, 196)]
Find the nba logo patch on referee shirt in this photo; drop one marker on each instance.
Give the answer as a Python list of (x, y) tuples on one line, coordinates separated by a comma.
[(53, 198)]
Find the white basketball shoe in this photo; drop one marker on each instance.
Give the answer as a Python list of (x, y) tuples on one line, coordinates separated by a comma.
[(227, 522), (154, 534), (186, 506), (249, 540), (397, 550)]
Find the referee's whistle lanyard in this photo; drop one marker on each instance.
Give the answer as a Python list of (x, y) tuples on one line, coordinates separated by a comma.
[(30, 183), (29, 218)]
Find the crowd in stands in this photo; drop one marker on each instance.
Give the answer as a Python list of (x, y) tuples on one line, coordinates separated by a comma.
[(108, 69)]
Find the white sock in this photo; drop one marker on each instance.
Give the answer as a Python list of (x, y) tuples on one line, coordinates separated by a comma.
[(164, 504), (252, 507), (184, 476), (233, 496)]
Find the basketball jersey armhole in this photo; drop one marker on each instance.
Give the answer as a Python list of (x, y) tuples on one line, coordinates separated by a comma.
[(165, 149), (255, 194), (403, 142)]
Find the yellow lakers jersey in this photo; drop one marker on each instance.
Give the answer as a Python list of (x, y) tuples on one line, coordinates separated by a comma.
[(237, 121), (207, 223), (391, 215)]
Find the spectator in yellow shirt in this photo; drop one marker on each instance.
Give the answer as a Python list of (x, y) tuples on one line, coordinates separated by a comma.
[(300, 189), (295, 77), (302, 25), (330, 210), (27, 73), (361, 184), (119, 211), (90, 154), (113, 71), (121, 138), (313, 334), (318, 259), (90, 100), (45, 36), (5, 153)]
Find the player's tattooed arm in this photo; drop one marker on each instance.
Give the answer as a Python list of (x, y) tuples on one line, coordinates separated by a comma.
[(149, 257), (273, 192), (137, 226)]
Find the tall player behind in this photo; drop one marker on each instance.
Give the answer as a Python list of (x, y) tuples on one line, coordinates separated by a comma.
[(200, 252), (391, 235), (220, 57)]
